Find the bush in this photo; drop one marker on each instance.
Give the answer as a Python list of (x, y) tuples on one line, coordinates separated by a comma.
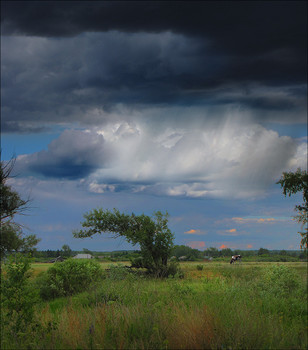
[(199, 267), (174, 270), (280, 280), (170, 270), (137, 262), (117, 272), (18, 297), (68, 277)]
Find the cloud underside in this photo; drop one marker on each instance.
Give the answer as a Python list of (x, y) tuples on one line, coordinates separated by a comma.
[(233, 160), (97, 78)]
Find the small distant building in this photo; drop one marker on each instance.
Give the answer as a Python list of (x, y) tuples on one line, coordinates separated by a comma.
[(83, 256)]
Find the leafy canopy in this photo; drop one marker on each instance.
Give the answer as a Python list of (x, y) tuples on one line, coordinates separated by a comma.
[(292, 183), (11, 204), (10, 201), (151, 233)]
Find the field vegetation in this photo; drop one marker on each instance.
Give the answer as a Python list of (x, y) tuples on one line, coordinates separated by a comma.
[(202, 305)]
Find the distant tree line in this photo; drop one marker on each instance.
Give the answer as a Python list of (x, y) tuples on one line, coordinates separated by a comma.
[(178, 251), (190, 254)]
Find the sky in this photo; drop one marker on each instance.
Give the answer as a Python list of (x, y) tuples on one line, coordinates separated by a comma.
[(194, 108)]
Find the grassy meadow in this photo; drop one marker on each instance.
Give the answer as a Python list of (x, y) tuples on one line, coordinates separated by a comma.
[(206, 306)]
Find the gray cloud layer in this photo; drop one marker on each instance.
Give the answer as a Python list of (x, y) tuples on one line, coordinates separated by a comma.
[(89, 78), (66, 62), (221, 21)]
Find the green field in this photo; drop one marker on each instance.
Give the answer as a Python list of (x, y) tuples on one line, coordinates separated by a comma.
[(212, 306)]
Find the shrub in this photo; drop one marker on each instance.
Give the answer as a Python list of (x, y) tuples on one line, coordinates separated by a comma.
[(199, 267), (280, 280), (18, 297), (68, 277), (137, 262), (117, 272), (171, 270)]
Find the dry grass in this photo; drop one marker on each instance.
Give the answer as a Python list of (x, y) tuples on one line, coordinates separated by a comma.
[(123, 327), (191, 328)]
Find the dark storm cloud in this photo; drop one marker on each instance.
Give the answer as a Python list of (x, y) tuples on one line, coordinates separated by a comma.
[(244, 29), (21, 128), (61, 80), (75, 154), (148, 54), (83, 78), (255, 23)]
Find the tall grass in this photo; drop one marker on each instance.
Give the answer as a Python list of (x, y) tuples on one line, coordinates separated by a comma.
[(219, 306)]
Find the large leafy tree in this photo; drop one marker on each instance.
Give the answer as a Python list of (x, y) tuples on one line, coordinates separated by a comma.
[(151, 233), (12, 238), (291, 183)]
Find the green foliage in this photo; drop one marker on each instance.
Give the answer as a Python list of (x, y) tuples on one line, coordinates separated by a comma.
[(87, 251), (137, 262), (275, 258), (227, 252), (67, 251), (182, 289), (291, 184), (10, 201), (117, 272), (212, 252), (263, 251), (68, 277), (190, 253), (12, 240), (18, 297), (280, 280), (151, 234), (10, 205), (174, 270), (200, 267)]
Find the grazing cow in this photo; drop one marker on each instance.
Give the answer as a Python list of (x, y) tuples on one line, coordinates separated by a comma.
[(235, 258)]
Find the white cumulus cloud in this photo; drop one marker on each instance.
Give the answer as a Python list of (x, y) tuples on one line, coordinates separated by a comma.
[(230, 159)]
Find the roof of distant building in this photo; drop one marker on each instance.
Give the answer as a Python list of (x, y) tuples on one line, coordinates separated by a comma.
[(83, 256)]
